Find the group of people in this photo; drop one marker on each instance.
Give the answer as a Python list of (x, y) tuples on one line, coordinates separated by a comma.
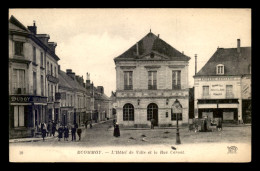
[(63, 131)]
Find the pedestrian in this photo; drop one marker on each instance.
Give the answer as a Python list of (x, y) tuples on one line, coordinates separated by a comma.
[(90, 123), (116, 130), (219, 124), (152, 123), (86, 124), (53, 129), (73, 132), (114, 123), (60, 132), (66, 133), (43, 131), (79, 133), (49, 128)]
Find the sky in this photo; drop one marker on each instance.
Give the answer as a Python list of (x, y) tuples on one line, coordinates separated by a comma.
[(89, 39)]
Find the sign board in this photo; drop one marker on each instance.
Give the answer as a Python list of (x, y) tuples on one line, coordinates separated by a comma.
[(176, 107), (228, 115), (217, 91)]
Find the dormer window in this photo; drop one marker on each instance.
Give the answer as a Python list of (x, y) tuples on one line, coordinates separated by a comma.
[(220, 69)]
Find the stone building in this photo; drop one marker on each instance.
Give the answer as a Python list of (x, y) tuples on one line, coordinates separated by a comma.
[(28, 79), (99, 102), (223, 85), (150, 76), (74, 98)]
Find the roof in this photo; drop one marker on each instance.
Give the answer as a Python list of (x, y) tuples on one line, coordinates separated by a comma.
[(234, 63), (152, 43), (68, 82)]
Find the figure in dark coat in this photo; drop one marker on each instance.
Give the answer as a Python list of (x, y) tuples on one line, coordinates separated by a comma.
[(79, 133), (116, 130), (73, 133), (152, 123), (60, 131), (44, 130), (66, 133), (219, 126), (53, 129)]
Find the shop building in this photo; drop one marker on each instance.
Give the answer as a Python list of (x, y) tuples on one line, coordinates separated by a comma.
[(27, 79), (150, 76), (223, 85)]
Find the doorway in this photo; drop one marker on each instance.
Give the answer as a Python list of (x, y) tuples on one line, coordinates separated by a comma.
[(152, 112)]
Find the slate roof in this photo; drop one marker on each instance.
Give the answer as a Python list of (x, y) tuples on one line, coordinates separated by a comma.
[(68, 82), (234, 63), (152, 43)]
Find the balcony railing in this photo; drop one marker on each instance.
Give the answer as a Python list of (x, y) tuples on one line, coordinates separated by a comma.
[(152, 87), (50, 99), (176, 87), (128, 87), (229, 95), (52, 79)]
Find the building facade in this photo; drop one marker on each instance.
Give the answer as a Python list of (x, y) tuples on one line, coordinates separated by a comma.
[(150, 77), (28, 96), (223, 85)]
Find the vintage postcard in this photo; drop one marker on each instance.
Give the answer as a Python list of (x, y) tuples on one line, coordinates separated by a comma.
[(129, 85)]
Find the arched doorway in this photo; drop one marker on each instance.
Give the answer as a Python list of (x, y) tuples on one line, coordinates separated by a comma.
[(152, 112)]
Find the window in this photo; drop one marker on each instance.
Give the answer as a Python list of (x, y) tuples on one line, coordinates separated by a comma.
[(18, 81), (34, 55), (128, 81), (49, 90), (41, 59), (55, 71), (152, 110), (18, 116), (48, 68), (51, 70), (128, 112), (174, 116), (152, 80), (18, 48), (205, 91), (220, 69), (71, 100), (229, 91), (176, 80), (34, 83), (42, 89)]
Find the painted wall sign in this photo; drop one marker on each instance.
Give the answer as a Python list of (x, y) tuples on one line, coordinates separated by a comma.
[(27, 99), (217, 91)]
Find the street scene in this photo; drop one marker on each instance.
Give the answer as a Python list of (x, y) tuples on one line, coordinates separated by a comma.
[(139, 83)]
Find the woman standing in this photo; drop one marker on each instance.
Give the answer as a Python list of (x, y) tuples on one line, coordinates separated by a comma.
[(66, 133), (44, 130), (116, 130), (60, 131)]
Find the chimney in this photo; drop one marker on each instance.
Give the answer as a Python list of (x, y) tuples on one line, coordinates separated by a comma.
[(43, 37), (33, 28), (158, 35), (70, 73), (195, 64), (183, 52), (100, 89), (137, 50), (58, 68), (238, 45), (52, 46)]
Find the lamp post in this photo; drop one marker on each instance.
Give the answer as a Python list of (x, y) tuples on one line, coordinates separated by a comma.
[(178, 140), (177, 109)]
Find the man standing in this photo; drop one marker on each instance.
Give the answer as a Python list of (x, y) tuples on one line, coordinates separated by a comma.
[(152, 123), (73, 132)]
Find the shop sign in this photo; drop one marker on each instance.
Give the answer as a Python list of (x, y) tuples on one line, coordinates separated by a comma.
[(27, 99), (217, 90)]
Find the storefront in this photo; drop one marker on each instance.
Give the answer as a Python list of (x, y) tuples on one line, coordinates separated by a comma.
[(226, 109), (25, 115)]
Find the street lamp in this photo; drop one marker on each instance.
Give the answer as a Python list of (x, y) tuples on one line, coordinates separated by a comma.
[(177, 109)]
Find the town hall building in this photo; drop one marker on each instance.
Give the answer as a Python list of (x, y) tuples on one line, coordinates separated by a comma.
[(150, 77)]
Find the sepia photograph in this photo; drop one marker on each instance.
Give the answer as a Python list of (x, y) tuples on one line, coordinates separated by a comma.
[(129, 85)]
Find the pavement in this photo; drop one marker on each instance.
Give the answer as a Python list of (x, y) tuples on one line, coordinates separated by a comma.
[(35, 139)]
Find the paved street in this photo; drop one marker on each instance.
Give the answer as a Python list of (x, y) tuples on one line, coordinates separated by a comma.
[(102, 135)]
